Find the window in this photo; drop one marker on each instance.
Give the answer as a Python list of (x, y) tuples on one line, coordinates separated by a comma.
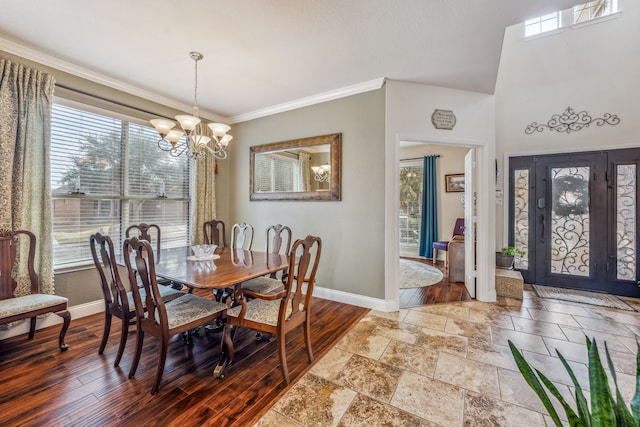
[(594, 9), (279, 171), (106, 174), (410, 202), (542, 24)]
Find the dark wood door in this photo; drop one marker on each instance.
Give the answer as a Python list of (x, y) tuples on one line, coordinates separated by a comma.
[(575, 215)]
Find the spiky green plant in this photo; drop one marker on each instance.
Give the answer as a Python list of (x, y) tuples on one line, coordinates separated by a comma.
[(605, 409)]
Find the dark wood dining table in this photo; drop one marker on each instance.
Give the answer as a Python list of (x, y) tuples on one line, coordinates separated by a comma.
[(229, 270), (233, 267)]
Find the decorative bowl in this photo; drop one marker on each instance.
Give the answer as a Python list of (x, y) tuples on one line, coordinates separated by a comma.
[(203, 251)]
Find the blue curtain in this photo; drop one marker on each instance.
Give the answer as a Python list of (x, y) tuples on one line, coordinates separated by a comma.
[(429, 221)]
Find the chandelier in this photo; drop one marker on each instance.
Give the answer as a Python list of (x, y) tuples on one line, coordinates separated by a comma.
[(186, 141), (322, 173)]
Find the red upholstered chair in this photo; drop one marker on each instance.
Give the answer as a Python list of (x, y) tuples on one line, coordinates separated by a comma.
[(458, 234)]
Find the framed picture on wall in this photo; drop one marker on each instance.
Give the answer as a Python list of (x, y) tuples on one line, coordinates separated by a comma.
[(454, 183)]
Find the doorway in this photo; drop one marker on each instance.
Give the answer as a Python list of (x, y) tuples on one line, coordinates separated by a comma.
[(575, 216)]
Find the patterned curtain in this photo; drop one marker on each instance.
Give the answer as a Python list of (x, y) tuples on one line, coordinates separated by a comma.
[(205, 209), (305, 170), (25, 137), (429, 221)]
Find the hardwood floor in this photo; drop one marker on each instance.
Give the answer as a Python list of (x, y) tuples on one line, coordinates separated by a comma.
[(443, 292), (42, 386)]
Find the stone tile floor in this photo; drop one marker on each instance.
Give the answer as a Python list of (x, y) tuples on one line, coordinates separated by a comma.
[(450, 365)]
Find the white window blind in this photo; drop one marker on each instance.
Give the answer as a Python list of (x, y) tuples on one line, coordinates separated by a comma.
[(106, 174), (276, 172)]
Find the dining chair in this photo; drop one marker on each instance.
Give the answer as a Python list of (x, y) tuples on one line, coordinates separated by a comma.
[(162, 319), (280, 312), (275, 241), (118, 301), (458, 233), (242, 236), (215, 233), (151, 233), (17, 264)]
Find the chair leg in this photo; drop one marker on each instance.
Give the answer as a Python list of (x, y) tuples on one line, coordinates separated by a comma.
[(435, 255), (307, 338), (124, 333), (32, 327), (136, 357), (161, 361), (66, 321), (106, 331), (282, 355)]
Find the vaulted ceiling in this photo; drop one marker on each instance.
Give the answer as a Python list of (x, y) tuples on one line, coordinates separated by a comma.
[(259, 54)]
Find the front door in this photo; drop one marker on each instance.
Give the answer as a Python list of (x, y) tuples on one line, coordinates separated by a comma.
[(575, 216)]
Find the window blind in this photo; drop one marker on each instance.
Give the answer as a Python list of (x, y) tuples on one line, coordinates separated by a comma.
[(106, 174)]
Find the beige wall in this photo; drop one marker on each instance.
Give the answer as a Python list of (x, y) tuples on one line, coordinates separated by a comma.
[(352, 230)]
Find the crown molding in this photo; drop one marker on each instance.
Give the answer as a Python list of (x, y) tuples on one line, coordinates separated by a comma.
[(76, 70), (311, 100)]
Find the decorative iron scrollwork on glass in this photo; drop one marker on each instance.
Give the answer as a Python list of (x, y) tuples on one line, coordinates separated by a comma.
[(570, 121), (521, 217), (626, 222), (570, 221)]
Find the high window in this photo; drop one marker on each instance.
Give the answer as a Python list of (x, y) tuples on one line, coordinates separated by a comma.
[(594, 9), (542, 24), (106, 174)]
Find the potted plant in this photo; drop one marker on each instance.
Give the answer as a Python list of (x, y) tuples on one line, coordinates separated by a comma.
[(504, 258), (605, 409)]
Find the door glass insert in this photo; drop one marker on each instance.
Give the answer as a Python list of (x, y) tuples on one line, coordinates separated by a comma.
[(570, 221), (626, 222), (410, 203), (521, 217)]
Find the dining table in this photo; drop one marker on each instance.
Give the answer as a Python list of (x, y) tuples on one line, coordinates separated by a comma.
[(226, 269)]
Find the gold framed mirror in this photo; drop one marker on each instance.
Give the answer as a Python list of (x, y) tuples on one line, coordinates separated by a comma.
[(299, 169)]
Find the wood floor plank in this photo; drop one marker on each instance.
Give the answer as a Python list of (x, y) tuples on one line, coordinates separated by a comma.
[(42, 386)]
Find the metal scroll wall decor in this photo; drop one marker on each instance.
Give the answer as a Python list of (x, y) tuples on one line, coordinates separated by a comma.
[(570, 121)]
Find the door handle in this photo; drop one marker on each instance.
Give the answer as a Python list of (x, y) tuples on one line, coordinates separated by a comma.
[(542, 228)]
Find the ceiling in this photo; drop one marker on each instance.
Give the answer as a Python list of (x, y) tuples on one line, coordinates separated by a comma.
[(260, 54)]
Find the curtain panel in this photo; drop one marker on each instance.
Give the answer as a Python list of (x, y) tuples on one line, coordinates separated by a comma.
[(205, 203), (26, 96), (429, 220)]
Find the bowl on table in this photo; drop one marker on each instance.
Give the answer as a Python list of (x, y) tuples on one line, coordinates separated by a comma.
[(203, 251)]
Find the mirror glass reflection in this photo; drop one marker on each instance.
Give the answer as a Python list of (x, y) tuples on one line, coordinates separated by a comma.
[(298, 169)]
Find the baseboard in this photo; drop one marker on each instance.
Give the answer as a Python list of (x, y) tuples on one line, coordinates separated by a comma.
[(355, 299)]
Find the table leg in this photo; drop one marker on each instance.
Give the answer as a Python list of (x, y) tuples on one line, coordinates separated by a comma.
[(227, 351)]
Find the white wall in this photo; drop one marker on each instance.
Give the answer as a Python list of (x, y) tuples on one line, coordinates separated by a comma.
[(451, 161), (592, 68), (408, 117)]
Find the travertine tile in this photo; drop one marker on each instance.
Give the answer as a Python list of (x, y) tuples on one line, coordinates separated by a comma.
[(371, 377), (604, 325), (426, 320), (569, 350), (468, 329), (514, 389), (522, 340), (400, 331), (273, 418), (468, 374), (442, 341), (448, 310), (536, 327), (553, 368), (411, 358), (365, 412), (491, 318), (433, 400), (314, 401), (483, 411), (487, 352), (393, 315), (331, 364), (577, 335), (566, 307), (553, 317), (364, 343)]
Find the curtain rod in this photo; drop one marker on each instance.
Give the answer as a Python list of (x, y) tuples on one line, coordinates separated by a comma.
[(420, 158), (101, 98)]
